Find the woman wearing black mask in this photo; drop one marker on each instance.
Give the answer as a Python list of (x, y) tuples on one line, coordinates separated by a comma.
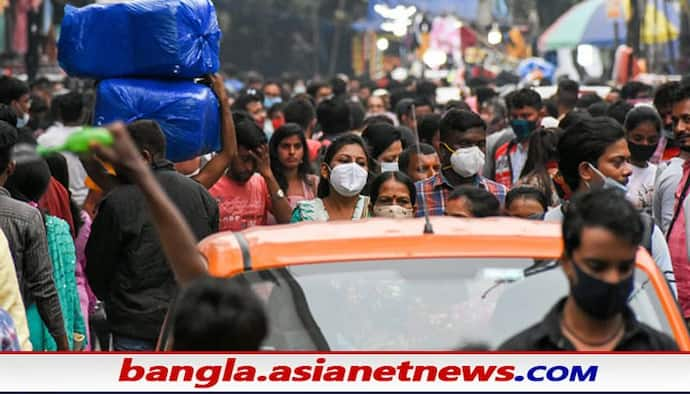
[(643, 130)]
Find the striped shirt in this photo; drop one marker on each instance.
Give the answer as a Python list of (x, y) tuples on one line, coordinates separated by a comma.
[(435, 191)]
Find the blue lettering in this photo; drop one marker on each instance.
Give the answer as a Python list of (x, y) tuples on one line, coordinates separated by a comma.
[(557, 373), (532, 377), (578, 375)]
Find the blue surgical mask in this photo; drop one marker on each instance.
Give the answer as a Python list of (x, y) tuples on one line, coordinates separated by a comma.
[(523, 128), (609, 183), (271, 101)]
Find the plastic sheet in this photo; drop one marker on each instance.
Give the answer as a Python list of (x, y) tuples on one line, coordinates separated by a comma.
[(187, 112), (143, 38)]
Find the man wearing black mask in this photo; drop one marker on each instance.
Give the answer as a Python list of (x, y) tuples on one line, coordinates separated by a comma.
[(663, 102), (602, 232)]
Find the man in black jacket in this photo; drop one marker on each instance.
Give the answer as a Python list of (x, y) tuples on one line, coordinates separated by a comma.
[(602, 232), (126, 265)]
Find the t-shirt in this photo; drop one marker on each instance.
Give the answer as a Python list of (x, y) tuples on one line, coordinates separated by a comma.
[(641, 187), (241, 205)]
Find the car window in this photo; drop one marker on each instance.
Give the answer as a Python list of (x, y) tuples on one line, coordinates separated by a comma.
[(444, 304)]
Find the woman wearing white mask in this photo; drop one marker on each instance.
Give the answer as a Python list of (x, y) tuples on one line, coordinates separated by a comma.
[(344, 174), (385, 145), (393, 196), (462, 154)]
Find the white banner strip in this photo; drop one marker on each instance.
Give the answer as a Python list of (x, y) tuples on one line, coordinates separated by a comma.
[(305, 372)]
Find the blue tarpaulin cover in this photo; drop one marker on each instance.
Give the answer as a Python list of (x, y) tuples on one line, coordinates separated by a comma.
[(143, 38), (187, 112)]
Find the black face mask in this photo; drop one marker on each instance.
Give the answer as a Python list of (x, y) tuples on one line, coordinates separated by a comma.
[(641, 152), (599, 299)]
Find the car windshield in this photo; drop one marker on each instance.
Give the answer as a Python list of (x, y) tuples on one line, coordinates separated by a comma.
[(448, 304)]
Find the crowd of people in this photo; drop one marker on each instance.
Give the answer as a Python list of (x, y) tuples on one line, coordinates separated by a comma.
[(115, 232)]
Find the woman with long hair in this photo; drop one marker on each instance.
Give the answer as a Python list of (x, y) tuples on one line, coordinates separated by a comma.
[(541, 168), (344, 174), (290, 164)]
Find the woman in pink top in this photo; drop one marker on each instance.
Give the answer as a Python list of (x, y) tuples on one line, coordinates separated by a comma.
[(290, 164)]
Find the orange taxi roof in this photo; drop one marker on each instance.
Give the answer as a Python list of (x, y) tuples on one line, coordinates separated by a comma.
[(375, 239)]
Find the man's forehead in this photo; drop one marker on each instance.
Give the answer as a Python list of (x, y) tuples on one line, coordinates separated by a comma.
[(681, 107)]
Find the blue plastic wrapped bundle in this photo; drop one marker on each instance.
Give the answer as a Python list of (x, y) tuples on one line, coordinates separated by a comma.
[(143, 38), (187, 112)]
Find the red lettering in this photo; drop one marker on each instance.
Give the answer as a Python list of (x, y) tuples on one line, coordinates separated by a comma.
[(403, 369), (280, 373), (302, 374), (449, 374), (419, 370), (175, 372), (229, 368), (505, 373), (366, 373), (128, 368), (384, 374), (157, 373), (481, 372), (334, 373), (207, 376)]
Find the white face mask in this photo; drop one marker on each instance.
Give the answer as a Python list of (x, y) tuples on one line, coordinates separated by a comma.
[(389, 167), (392, 211), (467, 162), (348, 179), (23, 121), (608, 182)]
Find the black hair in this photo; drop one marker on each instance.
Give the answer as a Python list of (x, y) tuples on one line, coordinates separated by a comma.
[(29, 181), (608, 209), (550, 107), (277, 107), (339, 86), (400, 177), (406, 135), (484, 94), (543, 148), (8, 139), (249, 135), (332, 150), (377, 119), (457, 104), (632, 90), (528, 193), (283, 132), (568, 85), (404, 107), (642, 114), (299, 111), (681, 94), (665, 93), (7, 114), (426, 89), (586, 141), (573, 117), (459, 121), (334, 116), (147, 135), (11, 89), (587, 100), (406, 155), (357, 115), (246, 97), (314, 87), (481, 203), (379, 137), (215, 314), (58, 170), (525, 98), (69, 107), (619, 110), (598, 109)]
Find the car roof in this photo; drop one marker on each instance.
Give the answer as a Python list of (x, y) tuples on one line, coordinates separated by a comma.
[(260, 248), (378, 239)]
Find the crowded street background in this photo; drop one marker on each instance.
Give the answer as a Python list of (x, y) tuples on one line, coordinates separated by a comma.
[(131, 131)]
